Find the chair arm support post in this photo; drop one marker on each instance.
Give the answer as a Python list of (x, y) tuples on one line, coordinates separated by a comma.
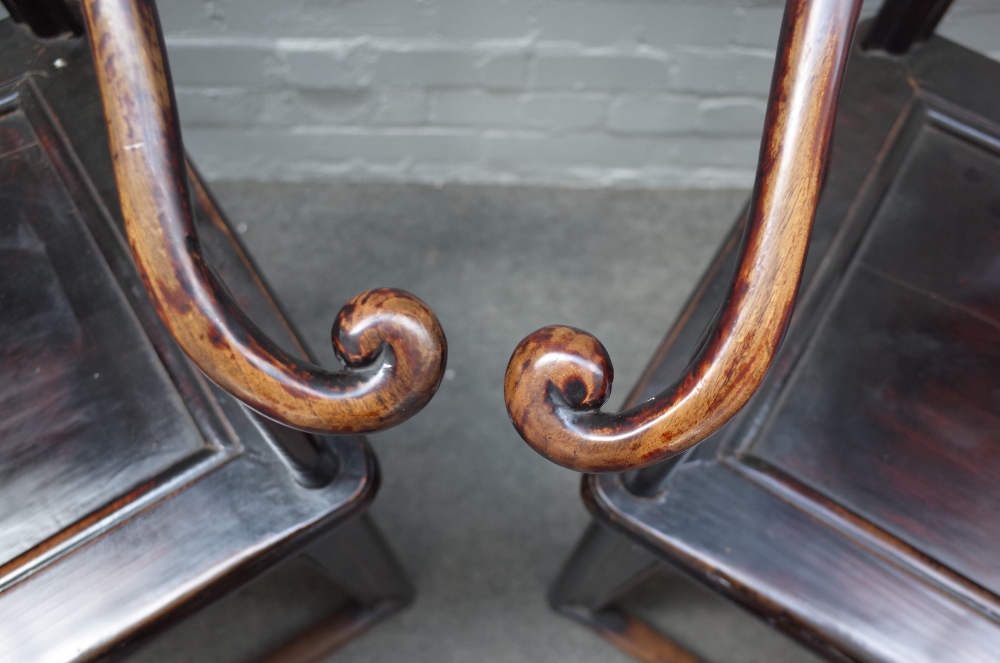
[(390, 341), (559, 377)]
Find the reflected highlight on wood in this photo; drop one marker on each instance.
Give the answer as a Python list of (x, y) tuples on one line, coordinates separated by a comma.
[(558, 377), (392, 343)]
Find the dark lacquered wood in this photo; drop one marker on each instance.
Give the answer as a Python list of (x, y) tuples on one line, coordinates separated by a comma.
[(559, 377), (77, 373), (46, 18), (356, 557), (392, 344), (916, 329), (853, 502), (603, 567), (328, 634), (900, 24), (132, 490)]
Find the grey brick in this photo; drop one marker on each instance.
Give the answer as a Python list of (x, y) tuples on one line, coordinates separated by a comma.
[(325, 19), (590, 23), (272, 150), (474, 108), (667, 26), (390, 147), (187, 17), (400, 108), (706, 151), (475, 20), (722, 73), (449, 68), (425, 69), (319, 67), (561, 112), (218, 108), (598, 72), (570, 150), (760, 27), (221, 64), (236, 107), (650, 114), (332, 106), (280, 108), (733, 116), (503, 70)]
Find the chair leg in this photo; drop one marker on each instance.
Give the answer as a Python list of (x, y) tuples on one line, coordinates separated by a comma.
[(603, 567), (358, 560)]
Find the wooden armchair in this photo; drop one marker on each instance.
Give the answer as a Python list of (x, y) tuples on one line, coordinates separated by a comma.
[(845, 484), (132, 489)]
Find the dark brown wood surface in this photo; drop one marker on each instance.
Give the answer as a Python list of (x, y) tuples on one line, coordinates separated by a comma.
[(77, 373), (46, 18), (390, 341), (900, 24), (559, 377), (854, 502), (132, 490)]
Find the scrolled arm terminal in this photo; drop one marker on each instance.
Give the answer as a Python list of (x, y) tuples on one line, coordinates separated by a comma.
[(558, 377), (391, 342)]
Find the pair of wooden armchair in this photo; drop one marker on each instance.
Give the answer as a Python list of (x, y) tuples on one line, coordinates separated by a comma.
[(840, 482)]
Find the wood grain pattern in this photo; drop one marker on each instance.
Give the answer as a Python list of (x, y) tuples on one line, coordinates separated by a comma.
[(558, 377), (391, 342)]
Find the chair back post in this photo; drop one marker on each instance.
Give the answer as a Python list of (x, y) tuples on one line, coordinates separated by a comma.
[(902, 23)]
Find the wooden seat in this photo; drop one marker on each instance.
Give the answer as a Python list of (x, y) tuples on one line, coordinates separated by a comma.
[(132, 489), (854, 503)]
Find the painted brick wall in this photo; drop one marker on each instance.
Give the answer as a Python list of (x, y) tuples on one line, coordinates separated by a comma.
[(567, 92)]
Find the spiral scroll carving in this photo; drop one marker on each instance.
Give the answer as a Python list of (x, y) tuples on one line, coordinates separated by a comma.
[(559, 377), (390, 341)]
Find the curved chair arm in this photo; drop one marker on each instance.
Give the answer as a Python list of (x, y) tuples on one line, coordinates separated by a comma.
[(559, 377), (391, 342)]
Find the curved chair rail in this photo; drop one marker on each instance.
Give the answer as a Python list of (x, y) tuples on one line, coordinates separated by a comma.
[(391, 342), (559, 377)]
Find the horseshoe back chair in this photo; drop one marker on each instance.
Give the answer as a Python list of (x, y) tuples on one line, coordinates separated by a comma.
[(133, 490), (843, 484)]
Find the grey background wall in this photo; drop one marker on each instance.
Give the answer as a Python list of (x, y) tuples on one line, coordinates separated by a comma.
[(563, 92), (591, 93), (581, 93)]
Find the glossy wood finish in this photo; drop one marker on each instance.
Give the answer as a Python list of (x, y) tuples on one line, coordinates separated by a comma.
[(558, 377), (62, 332), (853, 503), (392, 344), (132, 490), (900, 24)]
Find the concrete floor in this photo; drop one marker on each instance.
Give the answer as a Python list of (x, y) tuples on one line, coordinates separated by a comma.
[(480, 521)]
